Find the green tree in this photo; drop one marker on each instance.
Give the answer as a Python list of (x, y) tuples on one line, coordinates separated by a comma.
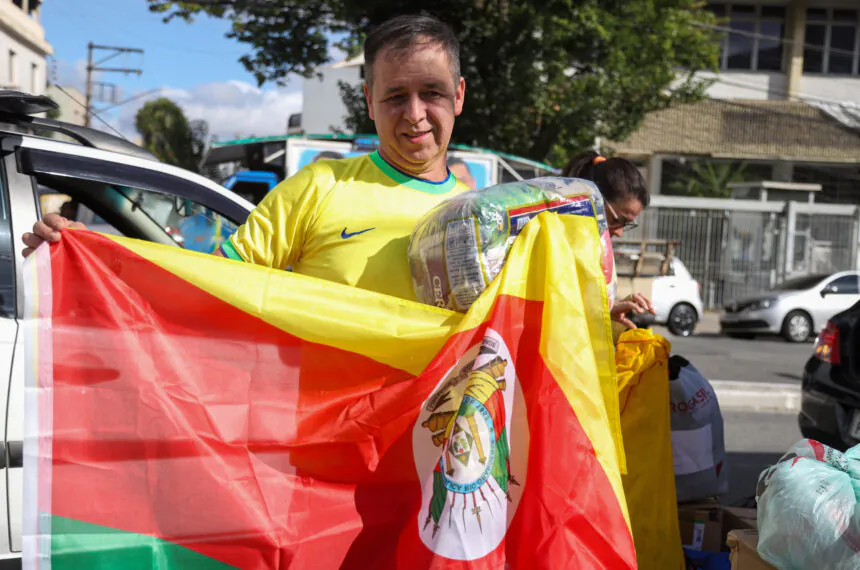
[(169, 135), (708, 179), (543, 78)]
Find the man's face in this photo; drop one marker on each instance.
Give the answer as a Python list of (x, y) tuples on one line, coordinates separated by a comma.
[(413, 102), (461, 172)]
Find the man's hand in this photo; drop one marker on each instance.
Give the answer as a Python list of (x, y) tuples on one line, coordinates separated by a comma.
[(48, 229), (638, 303)]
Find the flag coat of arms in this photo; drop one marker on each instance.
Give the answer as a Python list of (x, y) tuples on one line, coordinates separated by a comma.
[(186, 411)]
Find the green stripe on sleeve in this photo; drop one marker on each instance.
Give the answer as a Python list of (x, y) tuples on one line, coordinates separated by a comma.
[(229, 251)]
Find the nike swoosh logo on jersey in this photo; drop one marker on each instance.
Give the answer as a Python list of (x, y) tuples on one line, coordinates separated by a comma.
[(346, 235)]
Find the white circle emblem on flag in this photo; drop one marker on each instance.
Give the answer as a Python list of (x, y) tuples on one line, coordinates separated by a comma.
[(471, 452)]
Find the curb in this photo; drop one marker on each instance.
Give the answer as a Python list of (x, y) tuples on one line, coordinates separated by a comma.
[(736, 395)]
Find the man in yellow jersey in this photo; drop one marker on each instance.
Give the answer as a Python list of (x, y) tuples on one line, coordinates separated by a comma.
[(349, 220)]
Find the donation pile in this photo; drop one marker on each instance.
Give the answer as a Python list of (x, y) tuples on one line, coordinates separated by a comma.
[(460, 246), (808, 509)]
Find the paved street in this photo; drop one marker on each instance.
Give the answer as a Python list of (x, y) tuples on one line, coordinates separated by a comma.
[(755, 441), (760, 360)]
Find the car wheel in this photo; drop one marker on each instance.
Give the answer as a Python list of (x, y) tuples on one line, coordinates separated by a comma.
[(797, 327), (682, 319)]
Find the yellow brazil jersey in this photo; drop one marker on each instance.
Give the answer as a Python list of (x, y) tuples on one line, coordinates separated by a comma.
[(347, 221)]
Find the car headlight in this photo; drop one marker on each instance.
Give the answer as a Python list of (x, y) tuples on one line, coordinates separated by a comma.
[(763, 304)]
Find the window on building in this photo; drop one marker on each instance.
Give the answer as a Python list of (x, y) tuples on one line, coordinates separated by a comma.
[(19, 3), (34, 74), (832, 42), (13, 71), (755, 38)]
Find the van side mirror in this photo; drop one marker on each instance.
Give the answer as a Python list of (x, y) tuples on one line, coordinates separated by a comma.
[(828, 290)]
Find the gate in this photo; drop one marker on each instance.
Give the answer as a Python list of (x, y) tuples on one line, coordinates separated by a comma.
[(739, 248)]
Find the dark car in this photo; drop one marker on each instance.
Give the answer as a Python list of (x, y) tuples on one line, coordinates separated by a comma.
[(830, 400)]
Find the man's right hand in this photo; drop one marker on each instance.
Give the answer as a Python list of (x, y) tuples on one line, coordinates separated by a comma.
[(48, 229)]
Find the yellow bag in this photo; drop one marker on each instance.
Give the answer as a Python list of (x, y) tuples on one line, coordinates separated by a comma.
[(642, 359)]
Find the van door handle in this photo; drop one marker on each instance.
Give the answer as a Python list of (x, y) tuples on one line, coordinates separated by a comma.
[(14, 456)]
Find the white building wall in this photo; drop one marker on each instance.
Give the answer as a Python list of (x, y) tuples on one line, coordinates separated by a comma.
[(845, 89), (24, 37), (25, 71), (323, 110), (746, 85), (71, 110)]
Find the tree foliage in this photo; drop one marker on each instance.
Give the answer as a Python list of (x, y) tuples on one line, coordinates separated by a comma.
[(543, 78), (170, 136), (708, 179)]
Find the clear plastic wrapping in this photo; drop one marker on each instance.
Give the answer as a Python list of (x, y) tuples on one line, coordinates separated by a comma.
[(460, 246), (808, 512)]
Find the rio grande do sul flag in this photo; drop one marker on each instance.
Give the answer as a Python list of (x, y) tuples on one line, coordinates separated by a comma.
[(185, 411)]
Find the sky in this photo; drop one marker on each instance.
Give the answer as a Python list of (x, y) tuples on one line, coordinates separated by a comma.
[(192, 63)]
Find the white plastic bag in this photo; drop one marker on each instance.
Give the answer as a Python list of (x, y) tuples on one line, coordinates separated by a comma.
[(698, 445), (808, 511)]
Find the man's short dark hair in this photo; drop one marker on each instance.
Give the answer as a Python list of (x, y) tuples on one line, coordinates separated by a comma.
[(403, 32)]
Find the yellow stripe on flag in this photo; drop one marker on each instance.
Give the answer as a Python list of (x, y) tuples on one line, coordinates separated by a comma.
[(555, 260), (570, 248), (314, 310)]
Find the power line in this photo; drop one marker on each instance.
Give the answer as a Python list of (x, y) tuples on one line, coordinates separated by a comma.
[(780, 39), (800, 96), (91, 66), (152, 44), (93, 113)]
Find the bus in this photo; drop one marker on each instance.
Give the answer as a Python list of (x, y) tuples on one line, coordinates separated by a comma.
[(251, 167)]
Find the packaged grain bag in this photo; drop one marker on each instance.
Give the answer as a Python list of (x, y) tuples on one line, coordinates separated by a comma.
[(460, 246)]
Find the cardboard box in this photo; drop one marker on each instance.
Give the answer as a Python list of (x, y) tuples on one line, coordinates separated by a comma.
[(701, 525), (743, 545), (735, 518)]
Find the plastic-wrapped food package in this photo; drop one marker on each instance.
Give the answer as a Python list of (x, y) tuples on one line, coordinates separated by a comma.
[(460, 246), (808, 513)]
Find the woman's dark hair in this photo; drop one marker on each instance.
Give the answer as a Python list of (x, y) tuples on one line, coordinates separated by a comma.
[(402, 32), (617, 178)]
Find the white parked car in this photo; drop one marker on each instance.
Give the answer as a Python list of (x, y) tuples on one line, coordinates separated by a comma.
[(676, 297), (131, 193), (798, 309)]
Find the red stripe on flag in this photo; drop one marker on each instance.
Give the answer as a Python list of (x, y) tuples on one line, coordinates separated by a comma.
[(185, 423), (546, 205)]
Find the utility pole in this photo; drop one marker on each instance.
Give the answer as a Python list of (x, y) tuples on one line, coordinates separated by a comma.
[(94, 66)]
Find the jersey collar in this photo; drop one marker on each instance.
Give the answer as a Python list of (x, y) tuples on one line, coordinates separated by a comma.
[(410, 181)]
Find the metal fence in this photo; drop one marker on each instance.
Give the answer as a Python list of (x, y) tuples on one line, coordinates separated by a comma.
[(738, 248)]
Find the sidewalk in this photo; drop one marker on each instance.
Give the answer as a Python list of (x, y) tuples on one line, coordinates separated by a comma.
[(736, 395), (709, 323)]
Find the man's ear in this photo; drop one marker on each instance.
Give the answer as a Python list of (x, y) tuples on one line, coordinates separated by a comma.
[(369, 102), (459, 97)]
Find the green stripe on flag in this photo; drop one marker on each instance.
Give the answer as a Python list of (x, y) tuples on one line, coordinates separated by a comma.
[(77, 544)]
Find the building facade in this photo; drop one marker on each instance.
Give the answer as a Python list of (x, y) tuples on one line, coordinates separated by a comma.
[(323, 110), (71, 105), (23, 47), (784, 106)]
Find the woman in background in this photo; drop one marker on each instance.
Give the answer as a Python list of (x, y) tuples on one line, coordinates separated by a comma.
[(625, 196)]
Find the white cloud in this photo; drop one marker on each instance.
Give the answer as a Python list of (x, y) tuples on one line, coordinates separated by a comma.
[(65, 73), (231, 108)]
